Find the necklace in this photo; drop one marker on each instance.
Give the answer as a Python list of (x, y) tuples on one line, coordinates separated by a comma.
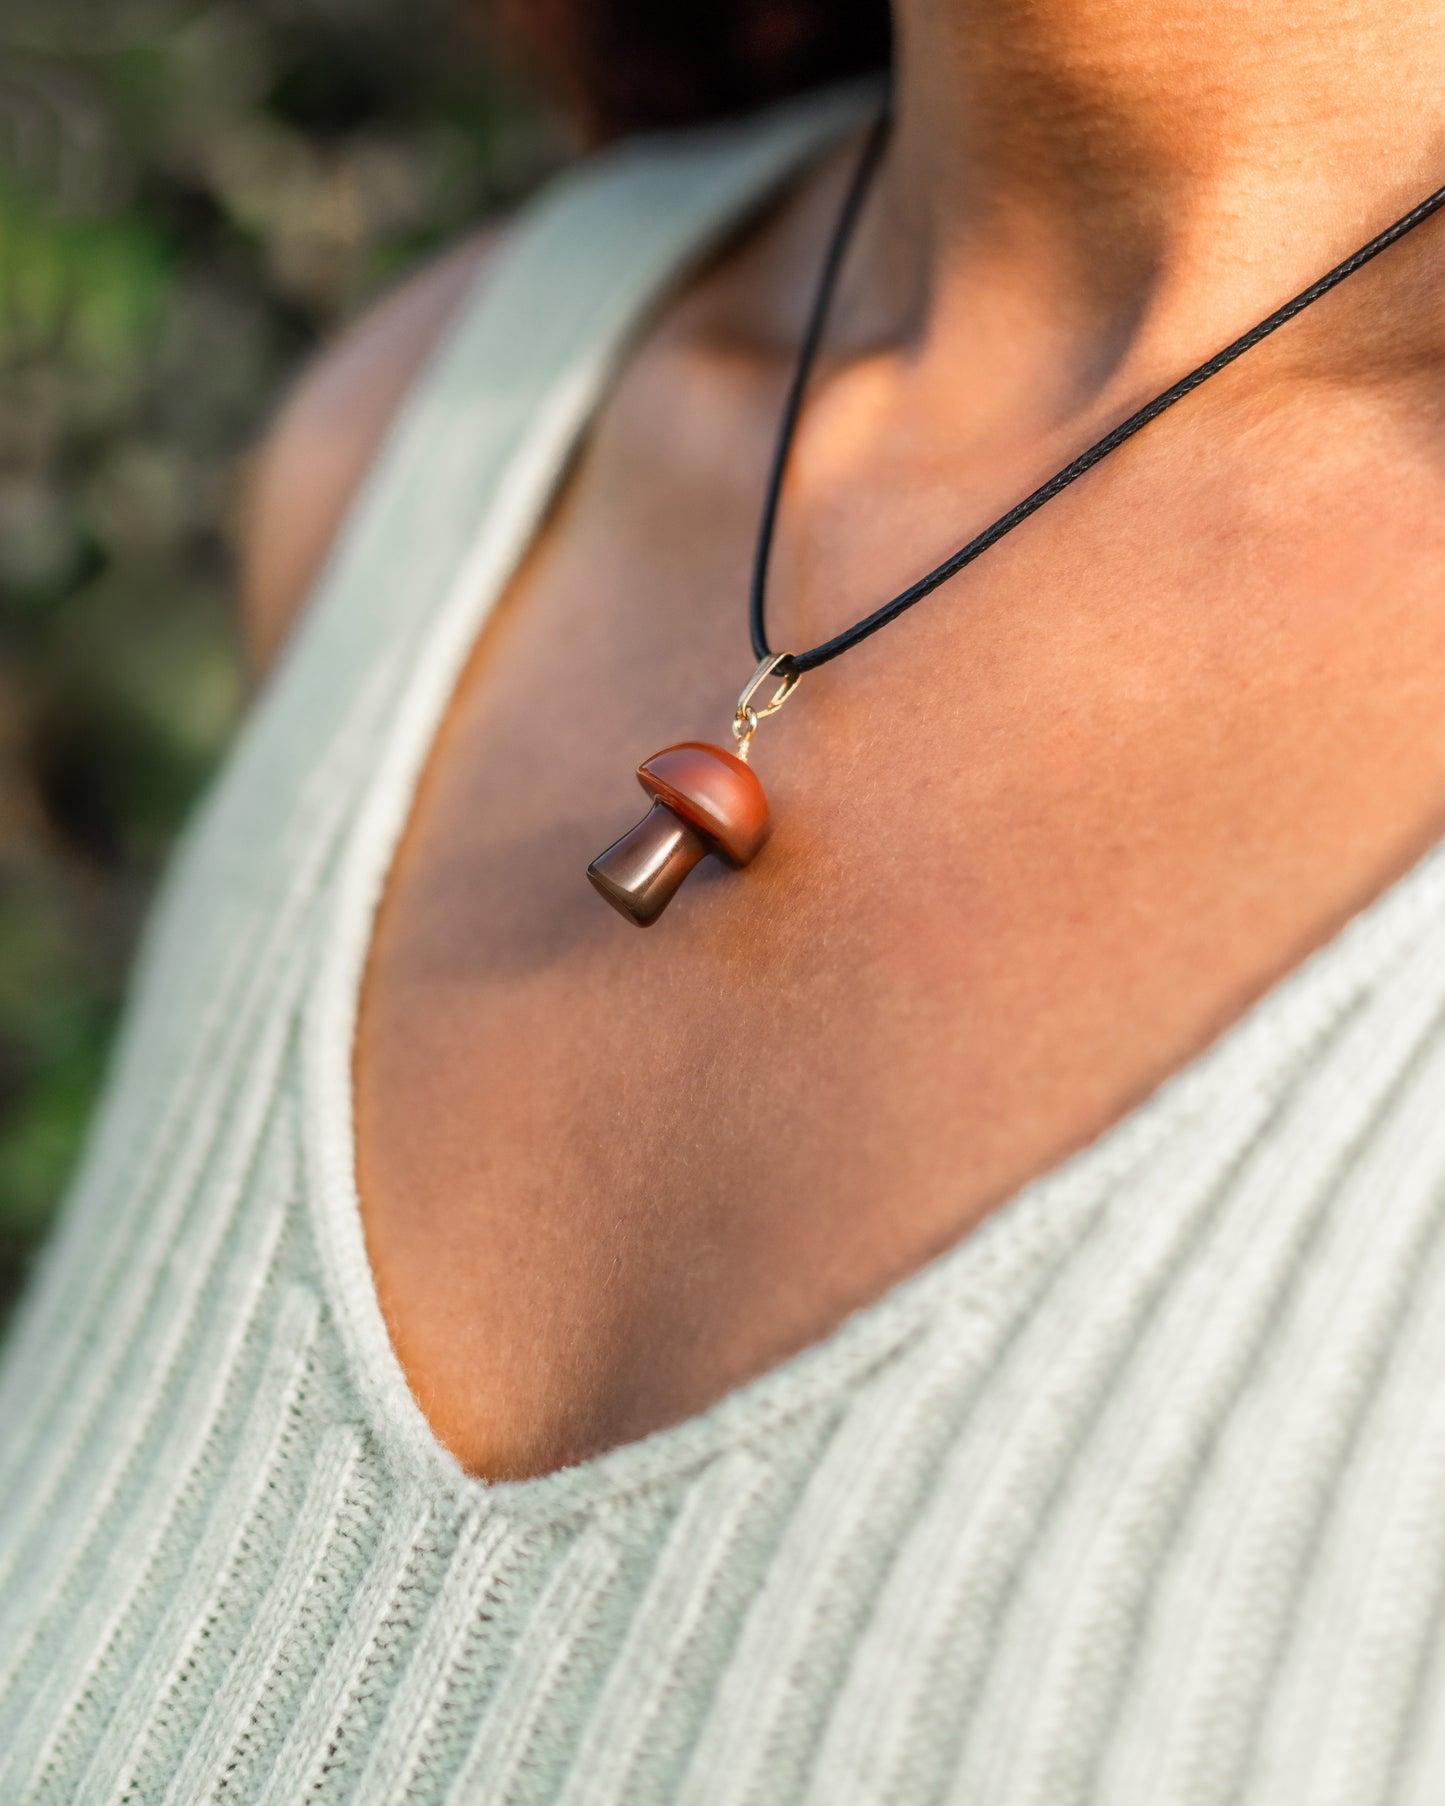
[(708, 800)]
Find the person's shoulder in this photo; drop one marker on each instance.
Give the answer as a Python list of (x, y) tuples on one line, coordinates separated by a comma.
[(306, 470)]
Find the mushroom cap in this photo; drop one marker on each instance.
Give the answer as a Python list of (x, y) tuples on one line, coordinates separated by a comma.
[(713, 792)]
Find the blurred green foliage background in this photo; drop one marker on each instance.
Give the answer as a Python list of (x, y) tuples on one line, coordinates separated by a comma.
[(190, 196)]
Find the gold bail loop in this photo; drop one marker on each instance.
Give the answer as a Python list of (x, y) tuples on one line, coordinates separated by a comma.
[(745, 716)]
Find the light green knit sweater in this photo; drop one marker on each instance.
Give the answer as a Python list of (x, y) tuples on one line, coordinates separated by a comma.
[(1136, 1496)]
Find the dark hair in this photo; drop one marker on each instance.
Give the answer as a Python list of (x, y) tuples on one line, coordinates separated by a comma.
[(620, 66)]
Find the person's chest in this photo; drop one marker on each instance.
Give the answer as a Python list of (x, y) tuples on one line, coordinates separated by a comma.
[(1033, 846)]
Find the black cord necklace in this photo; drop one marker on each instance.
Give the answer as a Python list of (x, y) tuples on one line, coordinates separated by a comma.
[(708, 800)]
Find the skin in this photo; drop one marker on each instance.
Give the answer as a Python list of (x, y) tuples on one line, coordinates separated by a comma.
[(1036, 844)]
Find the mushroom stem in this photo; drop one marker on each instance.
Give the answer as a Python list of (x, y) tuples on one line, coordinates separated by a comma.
[(639, 874)]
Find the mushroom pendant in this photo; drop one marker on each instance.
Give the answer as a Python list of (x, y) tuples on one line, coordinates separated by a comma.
[(704, 800)]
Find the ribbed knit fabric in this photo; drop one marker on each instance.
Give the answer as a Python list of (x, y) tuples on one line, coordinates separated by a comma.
[(1135, 1496)]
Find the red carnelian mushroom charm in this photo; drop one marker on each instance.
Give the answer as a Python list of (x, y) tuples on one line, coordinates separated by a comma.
[(705, 800)]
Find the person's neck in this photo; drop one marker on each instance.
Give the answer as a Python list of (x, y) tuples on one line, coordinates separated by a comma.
[(1151, 173)]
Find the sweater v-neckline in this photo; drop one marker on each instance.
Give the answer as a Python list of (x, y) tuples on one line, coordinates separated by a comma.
[(1036, 1224)]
